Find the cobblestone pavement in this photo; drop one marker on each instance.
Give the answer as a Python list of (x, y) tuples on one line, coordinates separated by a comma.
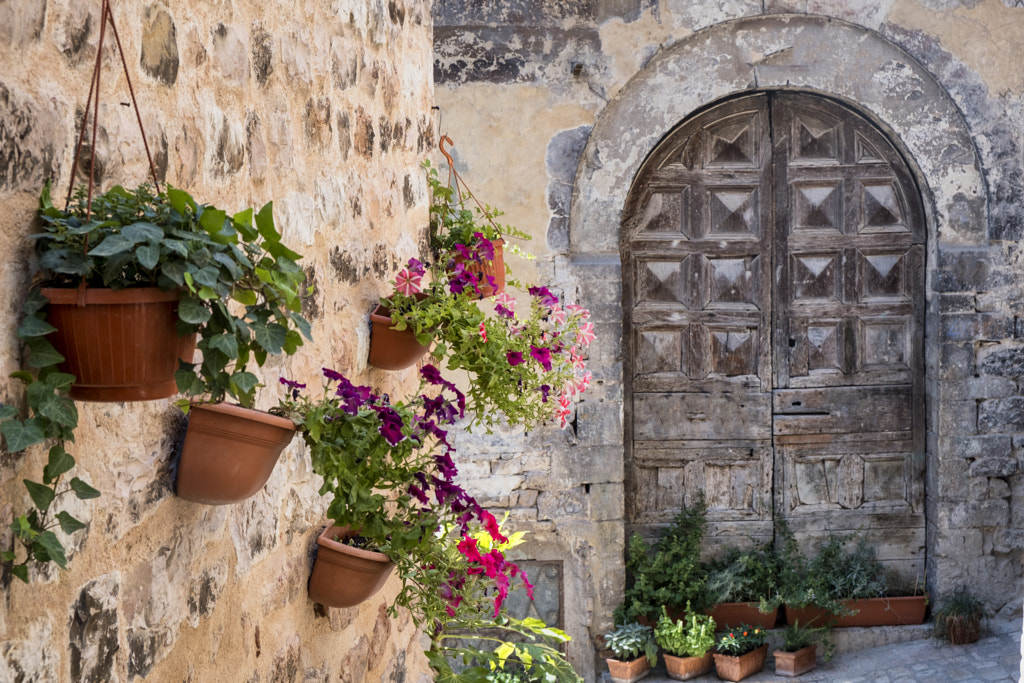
[(995, 657)]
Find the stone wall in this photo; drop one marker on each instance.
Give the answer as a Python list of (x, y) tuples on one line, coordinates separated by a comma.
[(323, 108), (555, 105)]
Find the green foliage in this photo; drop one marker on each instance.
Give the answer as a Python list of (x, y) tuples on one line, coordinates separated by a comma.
[(849, 574), (741, 640), (797, 637), (960, 603), (745, 576), (672, 575), (53, 416), (692, 636), (632, 640), (241, 286)]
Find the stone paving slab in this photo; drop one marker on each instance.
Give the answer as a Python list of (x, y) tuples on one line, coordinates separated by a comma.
[(995, 657)]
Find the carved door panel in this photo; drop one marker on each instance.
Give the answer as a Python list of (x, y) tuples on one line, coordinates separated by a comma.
[(699, 251), (774, 254), (849, 255)]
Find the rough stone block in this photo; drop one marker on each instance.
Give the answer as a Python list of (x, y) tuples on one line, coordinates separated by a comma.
[(563, 505), (957, 303), (522, 514), (990, 387), (985, 446), (607, 502), (231, 53), (587, 465), (492, 490), (1001, 415), (956, 361), (93, 631), (31, 140), (159, 45), (958, 417), (1003, 360), (527, 498), (599, 424), (994, 466), (998, 488), (504, 467), (969, 267), (473, 470), (990, 513)]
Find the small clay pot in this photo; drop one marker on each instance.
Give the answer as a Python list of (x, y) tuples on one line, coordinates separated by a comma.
[(344, 576)]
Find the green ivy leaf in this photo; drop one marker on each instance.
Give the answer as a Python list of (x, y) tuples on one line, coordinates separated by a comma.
[(34, 302), (226, 344), (34, 327), (60, 381), (69, 524), (60, 410), (271, 337), (148, 255), (180, 201), (244, 381), (7, 412), (265, 223), (193, 312), (143, 231), (114, 244), (304, 327), (43, 353), (230, 264), (246, 297), (83, 490), (41, 495), (59, 463), (53, 547), (20, 435), (177, 246), (21, 571)]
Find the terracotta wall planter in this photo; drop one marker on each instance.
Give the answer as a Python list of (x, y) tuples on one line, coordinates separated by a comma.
[(963, 630), (121, 345), (795, 663), (229, 452), (627, 672), (344, 576), (494, 269), (730, 668), (392, 349), (733, 614), (901, 611), (685, 668)]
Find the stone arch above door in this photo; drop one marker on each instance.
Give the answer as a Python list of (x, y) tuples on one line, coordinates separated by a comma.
[(850, 63)]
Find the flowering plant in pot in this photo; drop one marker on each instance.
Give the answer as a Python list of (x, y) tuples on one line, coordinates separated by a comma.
[(524, 366), (460, 601), (741, 652), (686, 644), (635, 652)]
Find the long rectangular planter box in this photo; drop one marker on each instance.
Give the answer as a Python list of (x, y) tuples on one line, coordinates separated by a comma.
[(902, 611), (733, 614)]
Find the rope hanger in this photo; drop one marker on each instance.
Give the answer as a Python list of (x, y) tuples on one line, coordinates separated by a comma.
[(93, 103)]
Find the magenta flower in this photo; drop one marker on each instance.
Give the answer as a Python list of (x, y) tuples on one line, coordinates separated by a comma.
[(491, 524), (514, 357), (542, 355), (416, 267), (467, 546), (544, 294)]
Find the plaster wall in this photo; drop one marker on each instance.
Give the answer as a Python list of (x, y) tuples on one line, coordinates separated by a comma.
[(323, 108), (574, 96)]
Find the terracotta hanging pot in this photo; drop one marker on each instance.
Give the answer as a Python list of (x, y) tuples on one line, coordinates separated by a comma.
[(733, 614), (343, 575), (791, 664), (731, 668), (489, 269), (685, 668), (392, 349), (628, 672), (121, 345), (229, 452)]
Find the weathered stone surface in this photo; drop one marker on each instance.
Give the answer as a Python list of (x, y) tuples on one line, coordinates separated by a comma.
[(230, 52), (31, 140), (1005, 360), (36, 659), (1001, 415), (563, 505), (262, 55), (159, 44), (21, 22), (93, 631)]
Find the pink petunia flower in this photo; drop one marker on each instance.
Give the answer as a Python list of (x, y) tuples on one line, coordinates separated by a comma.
[(557, 315), (573, 309), (408, 282), (507, 302), (585, 335), (483, 332)]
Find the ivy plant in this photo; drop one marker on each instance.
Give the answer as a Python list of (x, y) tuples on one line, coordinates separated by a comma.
[(241, 286), (53, 416)]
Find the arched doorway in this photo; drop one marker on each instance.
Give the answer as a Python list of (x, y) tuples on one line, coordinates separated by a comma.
[(773, 295)]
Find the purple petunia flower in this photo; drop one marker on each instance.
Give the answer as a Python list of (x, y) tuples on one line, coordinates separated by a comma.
[(545, 296), (542, 355), (514, 357)]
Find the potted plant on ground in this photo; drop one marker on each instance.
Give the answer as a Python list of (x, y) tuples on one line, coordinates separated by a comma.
[(799, 649), (958, 618), (741, 653), (686, 644), (742, 587), (635, 652), (670, 574)]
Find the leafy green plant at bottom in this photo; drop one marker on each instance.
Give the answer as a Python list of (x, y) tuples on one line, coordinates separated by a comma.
[(960, 603), (692, 636), (52, 416), (631, 641), (741, 640), (797, 637)]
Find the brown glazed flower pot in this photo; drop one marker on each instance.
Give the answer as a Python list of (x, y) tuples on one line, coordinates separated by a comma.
[(344, 576), (730, 668), (685, 668), (494, 269), (962, 630), (229, 452), (121, 345), (392, 349), (792, 664), (628, 672), (733, 614)]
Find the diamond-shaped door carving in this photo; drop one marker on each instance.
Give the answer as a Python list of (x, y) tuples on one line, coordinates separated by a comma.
[(733, 352), (881, 207), (885, 342), (664, 214), (735, 280), (883, 276), (733, 211), (659, 351), (816, 277), (734, 142), (816, 139), (818, 207)]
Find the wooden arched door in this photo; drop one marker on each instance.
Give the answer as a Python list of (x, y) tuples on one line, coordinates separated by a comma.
[(773, 249)]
